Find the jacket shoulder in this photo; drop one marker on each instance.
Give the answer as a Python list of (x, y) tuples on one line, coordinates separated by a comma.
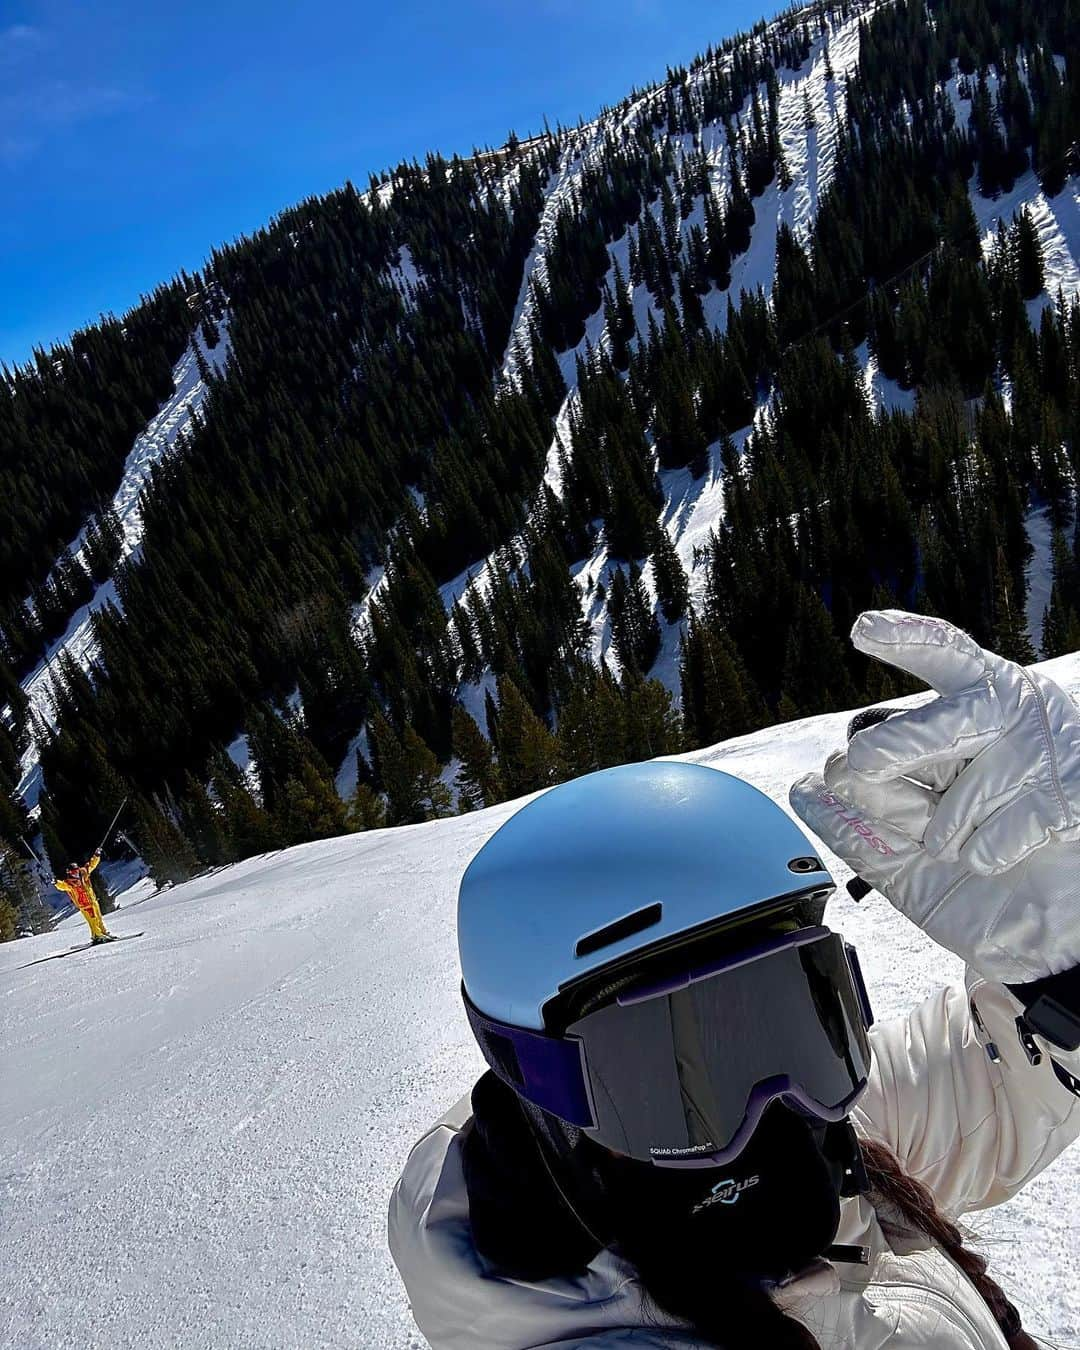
[(459, 1301), (455, 1119), (410, 1202)]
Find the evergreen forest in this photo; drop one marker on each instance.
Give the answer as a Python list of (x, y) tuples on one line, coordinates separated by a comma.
[(450, 393)]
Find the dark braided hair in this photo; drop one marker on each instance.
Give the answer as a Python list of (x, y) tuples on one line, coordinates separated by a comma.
[(731, 1312), (719, 1306), (921, 1214)]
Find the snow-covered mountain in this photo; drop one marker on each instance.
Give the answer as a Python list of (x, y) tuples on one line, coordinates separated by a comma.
[(160, 436), (201, 1127), (792, 332)]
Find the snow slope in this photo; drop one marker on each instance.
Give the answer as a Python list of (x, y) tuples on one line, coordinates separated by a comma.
[(172, 418), (201, 1128), (690, 509)]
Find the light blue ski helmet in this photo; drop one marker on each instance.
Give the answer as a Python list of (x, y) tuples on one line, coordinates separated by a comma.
[(627, 860)]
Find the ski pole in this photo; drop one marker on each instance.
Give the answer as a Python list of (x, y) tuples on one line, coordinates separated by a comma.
[(112, 823), (43, 872), (31, 851)]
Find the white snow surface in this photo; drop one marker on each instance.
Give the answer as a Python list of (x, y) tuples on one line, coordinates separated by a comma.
[(348, 775), (405, 276), (201, 1127), (1057, 223), (172, 418)]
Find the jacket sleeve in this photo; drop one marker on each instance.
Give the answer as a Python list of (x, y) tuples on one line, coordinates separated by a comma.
[(955, 1095), (92, 864), (63, 886), (460, 1303)]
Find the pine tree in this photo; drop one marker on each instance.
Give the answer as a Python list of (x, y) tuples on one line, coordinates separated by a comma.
[(1010, 636), (366, 809), (592, 721), (815, 677), (246, 827), (103, 544), (784, 176), (9, 917), (635, 633), (166, 852), (672, 588), (204, 822), (653, 725), (528, 753), (478, 779), (717, 247), (1030, 267), (35, 915), (1061, 618), (21, 890), (809, 116), (310, 808), (679, 438), (409, 773), (719, 697)]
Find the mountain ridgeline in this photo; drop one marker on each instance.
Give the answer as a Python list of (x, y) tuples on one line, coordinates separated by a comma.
[(425, 543)]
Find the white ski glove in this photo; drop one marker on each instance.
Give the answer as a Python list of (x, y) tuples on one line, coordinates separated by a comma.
[(965, 812)]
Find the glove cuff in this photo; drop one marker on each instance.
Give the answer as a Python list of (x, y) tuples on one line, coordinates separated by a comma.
[(1052, 1007)]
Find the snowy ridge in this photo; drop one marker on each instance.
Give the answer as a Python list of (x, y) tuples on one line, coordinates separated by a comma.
[(810, 153), (1057, 223), (172, 419), (810, 107), (405, 276), (690, 510), (378, 580), (253, 1071)]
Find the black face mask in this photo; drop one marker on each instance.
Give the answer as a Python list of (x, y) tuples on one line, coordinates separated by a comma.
[(767, 1215)]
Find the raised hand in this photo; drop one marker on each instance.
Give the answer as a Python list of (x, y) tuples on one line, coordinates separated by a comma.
[(964, 812)]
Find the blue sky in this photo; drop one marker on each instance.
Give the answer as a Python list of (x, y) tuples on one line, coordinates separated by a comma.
[(134, 137)]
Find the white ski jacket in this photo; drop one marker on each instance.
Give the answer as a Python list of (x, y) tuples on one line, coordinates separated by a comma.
[(973, 1130)]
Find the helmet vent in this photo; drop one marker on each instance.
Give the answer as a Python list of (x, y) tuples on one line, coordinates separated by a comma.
[(621, 928), (805, 865)]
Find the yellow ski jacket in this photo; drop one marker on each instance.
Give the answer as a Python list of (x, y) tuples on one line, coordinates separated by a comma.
[(80, 891)]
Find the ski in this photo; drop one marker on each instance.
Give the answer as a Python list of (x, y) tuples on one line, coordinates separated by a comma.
[(82, 947)]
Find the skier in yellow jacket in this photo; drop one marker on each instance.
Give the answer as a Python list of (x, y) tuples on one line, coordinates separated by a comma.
[(77, 886)]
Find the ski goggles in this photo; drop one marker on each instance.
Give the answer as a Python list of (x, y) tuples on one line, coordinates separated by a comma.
[(678, 1072)]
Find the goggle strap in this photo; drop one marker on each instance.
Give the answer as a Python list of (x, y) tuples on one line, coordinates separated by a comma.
[(546, 1070)]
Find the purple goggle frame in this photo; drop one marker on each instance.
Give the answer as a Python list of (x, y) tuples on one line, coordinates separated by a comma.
[(552, 1071)]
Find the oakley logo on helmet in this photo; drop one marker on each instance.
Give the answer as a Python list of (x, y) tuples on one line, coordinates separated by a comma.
[(844, 812), (726, 1192)]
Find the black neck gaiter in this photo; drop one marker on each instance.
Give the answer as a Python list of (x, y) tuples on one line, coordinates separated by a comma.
[(767, 1215), (544, 1198)]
